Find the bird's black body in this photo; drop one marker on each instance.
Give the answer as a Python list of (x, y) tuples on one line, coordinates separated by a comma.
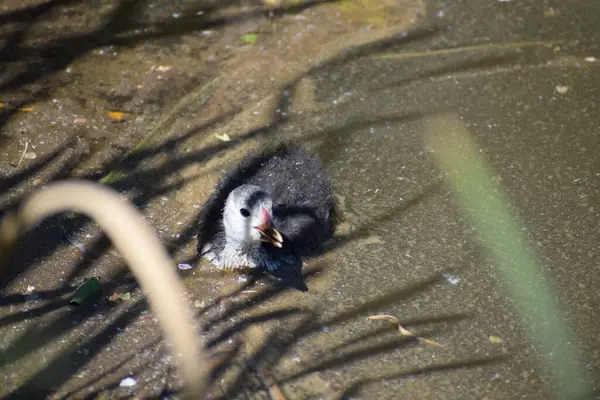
[(303, 202)]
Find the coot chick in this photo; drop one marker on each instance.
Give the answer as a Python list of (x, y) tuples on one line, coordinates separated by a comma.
[(275, 207)]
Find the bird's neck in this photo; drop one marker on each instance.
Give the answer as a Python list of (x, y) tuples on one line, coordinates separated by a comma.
[(236, 246)]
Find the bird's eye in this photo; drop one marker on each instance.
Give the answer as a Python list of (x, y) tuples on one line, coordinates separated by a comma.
[(245, 213)]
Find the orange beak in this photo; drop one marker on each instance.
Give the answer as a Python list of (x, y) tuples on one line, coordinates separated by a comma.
[(267, 232)]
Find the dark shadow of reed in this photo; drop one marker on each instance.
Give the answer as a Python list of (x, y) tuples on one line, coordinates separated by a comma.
[(378, 341), (61, 368), (354, 388), (124, 25), (272, 349)]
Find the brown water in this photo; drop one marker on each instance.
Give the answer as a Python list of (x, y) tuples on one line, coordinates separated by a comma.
[(353, 81)]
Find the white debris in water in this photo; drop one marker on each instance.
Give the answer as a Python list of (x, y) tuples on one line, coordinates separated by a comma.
[(184, 266), (562, 89), (451, 279), (128, 382), (30, 288), (77, 245), (590, 59)]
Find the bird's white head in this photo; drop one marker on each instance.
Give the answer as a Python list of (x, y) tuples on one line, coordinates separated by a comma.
[(247, 217)]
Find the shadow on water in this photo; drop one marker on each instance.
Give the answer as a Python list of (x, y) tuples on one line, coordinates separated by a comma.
[(67, 364), (43, 383), (358, 348), (124, 25), (150, 183), (353, 389)]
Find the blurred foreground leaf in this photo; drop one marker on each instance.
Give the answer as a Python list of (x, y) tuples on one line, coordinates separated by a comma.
[(490, 212)]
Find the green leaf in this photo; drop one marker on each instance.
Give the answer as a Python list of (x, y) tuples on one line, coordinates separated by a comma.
[(249, 38), (87, 289)]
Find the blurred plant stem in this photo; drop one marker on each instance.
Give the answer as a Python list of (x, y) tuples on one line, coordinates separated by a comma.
[(490, 213)]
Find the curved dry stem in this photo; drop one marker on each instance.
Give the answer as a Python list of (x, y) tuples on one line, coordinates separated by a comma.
[(144, 254)]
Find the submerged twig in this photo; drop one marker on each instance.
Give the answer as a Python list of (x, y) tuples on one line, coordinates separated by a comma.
[(23, 155), (274, 390), (403, 331)]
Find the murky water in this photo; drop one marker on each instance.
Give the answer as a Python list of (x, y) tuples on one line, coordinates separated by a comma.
[(357, 88)]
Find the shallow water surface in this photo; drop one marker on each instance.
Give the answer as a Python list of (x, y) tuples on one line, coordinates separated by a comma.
[(359, 91)]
